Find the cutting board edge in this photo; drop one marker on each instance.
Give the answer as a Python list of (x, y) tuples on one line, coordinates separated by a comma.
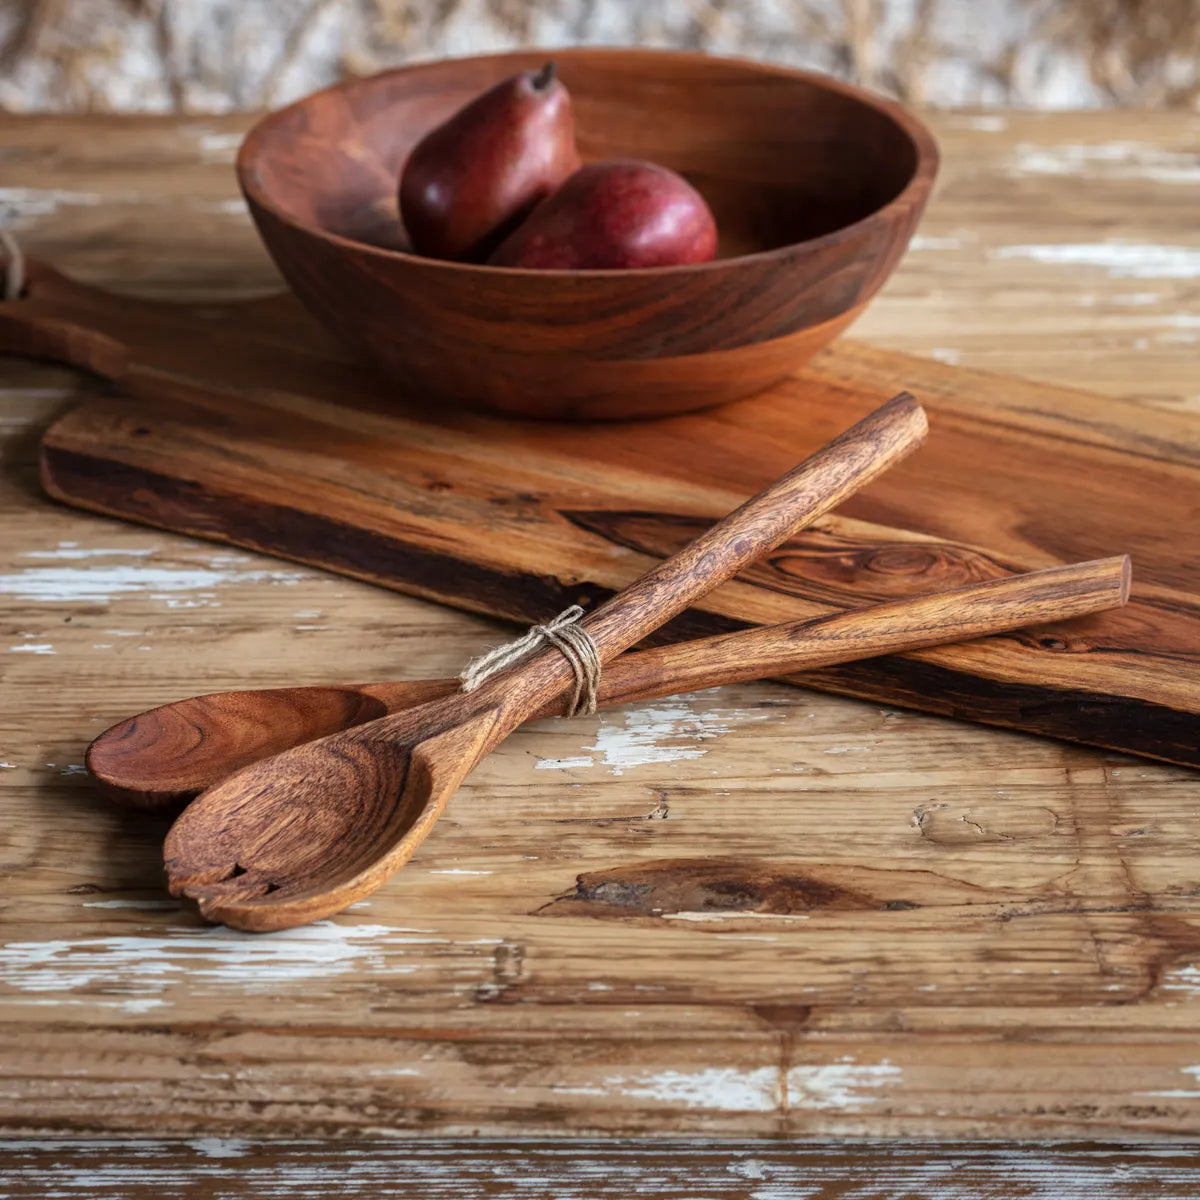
[(853, 680)]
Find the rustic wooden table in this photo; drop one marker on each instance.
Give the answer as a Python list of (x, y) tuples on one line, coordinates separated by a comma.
[(485, 993)]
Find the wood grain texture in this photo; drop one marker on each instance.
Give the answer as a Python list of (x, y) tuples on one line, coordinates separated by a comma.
[(1043, 987), (817, 184), (304, 834), (670, 1169), (306, 456), (166, 756)]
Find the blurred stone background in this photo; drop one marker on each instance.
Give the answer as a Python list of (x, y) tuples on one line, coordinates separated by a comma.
[(205, 56)]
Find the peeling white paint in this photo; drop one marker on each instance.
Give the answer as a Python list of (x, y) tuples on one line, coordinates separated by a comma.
[(839, 1086), (563, 764), (1180, 1093), (457, 871), (637, 740), (1121, 259), (72, 551), (656, 733), (1108, 160), (212, 1147), (724, 1089), (30, 203), (1183, 328), (125, 971), (58, 1168), (946, 354), (1180, 320), (1182, 979), (750, 1168), (845, 1086), (148, 905), (846, 749), (142, 1004), (32, 648), (100, 583), (721, 1088)]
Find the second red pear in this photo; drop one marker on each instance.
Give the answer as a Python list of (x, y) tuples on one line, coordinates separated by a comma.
[(614, 215)]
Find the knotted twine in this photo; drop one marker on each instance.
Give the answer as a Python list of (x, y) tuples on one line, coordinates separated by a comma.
[(14, 271), (576, 646)]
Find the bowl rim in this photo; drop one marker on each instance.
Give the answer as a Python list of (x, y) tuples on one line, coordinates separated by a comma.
[(917, 188)]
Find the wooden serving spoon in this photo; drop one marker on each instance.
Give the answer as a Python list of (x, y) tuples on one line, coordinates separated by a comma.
[(166, 756), (305, 833)]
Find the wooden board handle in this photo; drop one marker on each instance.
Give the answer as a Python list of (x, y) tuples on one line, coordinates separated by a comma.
[(51, 319)]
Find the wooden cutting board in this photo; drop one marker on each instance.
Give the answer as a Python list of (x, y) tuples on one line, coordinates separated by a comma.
[(244, 423)]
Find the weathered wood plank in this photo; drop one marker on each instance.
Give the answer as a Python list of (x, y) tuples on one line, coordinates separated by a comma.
[(233, 1168), (1046, 984)]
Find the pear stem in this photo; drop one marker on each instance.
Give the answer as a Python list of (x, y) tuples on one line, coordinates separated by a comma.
[(544, 78)]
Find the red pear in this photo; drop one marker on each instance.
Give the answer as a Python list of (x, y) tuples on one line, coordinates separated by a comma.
[(612, 215), (470, 181)]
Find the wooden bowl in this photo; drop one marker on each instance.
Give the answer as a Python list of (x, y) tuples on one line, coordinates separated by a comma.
[(816, 187)]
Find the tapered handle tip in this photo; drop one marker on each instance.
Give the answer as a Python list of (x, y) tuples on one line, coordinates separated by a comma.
[(1106, 575), (1126, 576), (905, 406)]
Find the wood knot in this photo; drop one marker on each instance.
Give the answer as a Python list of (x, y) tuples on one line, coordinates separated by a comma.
[(703, 886), (904, 560), (948, 824)]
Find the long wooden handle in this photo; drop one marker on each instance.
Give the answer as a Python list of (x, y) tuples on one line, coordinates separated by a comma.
[(167, 755), (974, 611), (793, 501)]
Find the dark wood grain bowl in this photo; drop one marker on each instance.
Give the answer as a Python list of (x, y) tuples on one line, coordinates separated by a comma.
[(817, 187)]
